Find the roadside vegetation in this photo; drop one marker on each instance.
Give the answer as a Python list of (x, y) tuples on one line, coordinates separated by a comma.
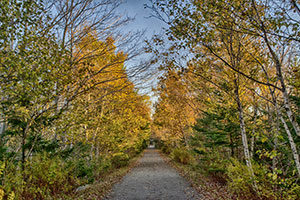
[(228, 108), (69, 115), (229, 101)]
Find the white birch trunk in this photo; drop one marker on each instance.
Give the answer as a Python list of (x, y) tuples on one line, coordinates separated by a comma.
[(243, 131), (253, 133), (279, 74), (290, 113), (2, 124), (290, 137), (292, 144)]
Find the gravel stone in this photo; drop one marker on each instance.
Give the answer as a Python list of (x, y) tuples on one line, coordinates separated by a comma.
[(153, 179)]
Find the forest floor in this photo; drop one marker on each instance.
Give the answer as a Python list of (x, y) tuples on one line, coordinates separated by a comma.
[(153, 178)]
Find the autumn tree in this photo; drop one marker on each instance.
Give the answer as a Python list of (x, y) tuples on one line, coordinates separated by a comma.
[(175, 110), (67, 106), (241, 55)]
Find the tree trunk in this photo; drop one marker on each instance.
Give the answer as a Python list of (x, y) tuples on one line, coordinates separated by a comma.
[(24, 136), (231, 144), (253, 133), (23, 149), (286, 99), (278, 66), (243, 130), (290, 137), (185, 138), (2, 126), (293, 145), (290, 113), (95, 144), (92, 152)]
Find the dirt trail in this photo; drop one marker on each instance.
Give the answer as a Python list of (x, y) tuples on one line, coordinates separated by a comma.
[(153, 179)]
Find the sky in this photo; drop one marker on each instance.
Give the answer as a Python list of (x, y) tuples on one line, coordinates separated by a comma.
[(142, 21), (135, 8)]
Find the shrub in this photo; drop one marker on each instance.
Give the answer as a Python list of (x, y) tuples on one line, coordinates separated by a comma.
[(166, 149), (11, 195), (120, 159), (131, 151), (104, 165), (268, 185), (89, 169), (144, 144), (182, 155), (214, 165), (200, 150), (239, 178), (43, 178), (84, 169)]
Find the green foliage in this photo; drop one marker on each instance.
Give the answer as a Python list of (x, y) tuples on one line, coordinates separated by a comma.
[(200, 151), (43, 177), (144, 144), (262, 186), (47, 177), (166, 149), (120, 159), (9, 195), (215, 165), (88, 170), (62, 112), (244, 114), (84, 169), (240, 180), (212, 163), (218, 128), (39, 144), (182, 155), (2, 167)]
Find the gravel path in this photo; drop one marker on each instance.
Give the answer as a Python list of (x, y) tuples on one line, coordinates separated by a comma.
[(153, 179)]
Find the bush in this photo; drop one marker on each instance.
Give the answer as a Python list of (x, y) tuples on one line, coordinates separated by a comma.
[(3, 194), (269, 185), (166, 149), (87, 170), (214, 165), (104, 166), (131, 151), (84, 169), (182, 155), (239, 178), (144, 144), (43, 178), (120, 159)]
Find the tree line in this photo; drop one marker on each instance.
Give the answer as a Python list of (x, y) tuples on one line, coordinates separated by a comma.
[(68, 111), (229, 94)]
